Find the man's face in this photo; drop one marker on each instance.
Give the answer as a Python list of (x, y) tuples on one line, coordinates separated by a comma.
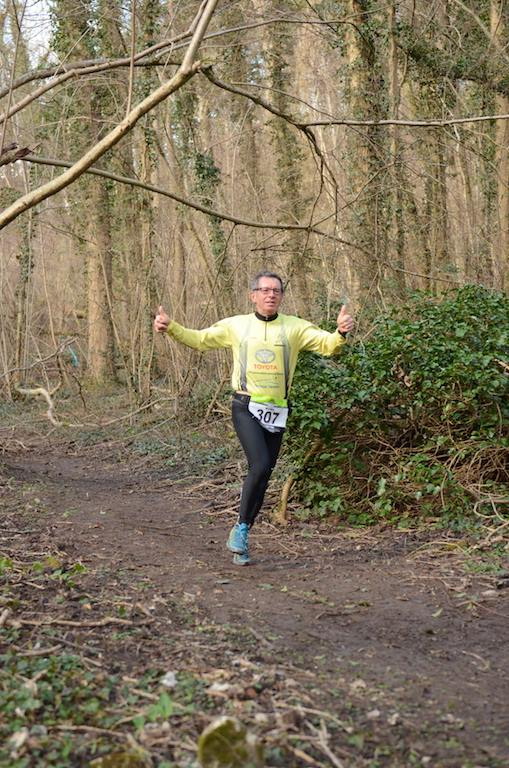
[(267, 297)]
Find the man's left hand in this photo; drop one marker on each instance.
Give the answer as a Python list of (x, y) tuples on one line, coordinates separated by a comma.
[(345, 321)]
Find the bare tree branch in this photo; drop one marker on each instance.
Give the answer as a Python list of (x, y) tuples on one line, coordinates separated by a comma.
[(85, 67), (304, 125), (75, 72), (11, 153), (132, 57), (190, 203), (63, 72), (432, 276), (58, 351), (209, 74), (188, 68), (492, 40), (438, 123)]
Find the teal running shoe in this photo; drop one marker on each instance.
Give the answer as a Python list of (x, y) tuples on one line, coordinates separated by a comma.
[(237, 540), (242, 559)]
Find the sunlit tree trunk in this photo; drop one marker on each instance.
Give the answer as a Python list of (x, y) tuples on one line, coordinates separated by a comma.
[(74, 31), (13, 35), (146, 246)]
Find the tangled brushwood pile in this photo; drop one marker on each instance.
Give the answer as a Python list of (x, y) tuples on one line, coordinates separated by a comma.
[(413, 421)]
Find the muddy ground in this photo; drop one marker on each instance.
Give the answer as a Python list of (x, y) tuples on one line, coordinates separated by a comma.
[(337, 646)]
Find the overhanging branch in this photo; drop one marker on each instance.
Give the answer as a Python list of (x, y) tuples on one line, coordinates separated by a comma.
[(306, 129), (141, 59), (191, 203), (438, 123), (188, 68)]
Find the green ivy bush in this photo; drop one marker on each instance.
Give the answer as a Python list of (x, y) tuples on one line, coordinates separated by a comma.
[(412, 421)]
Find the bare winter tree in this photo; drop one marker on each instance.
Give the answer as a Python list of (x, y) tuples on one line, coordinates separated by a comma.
[(346, 145)]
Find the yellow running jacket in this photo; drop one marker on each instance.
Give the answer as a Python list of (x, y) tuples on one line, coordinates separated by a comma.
[(265, 352)]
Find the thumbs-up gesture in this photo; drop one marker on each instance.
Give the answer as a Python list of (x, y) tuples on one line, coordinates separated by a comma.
[(161, 321), (345, 321)]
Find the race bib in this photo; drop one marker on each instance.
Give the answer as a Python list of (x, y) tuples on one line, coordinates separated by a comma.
[(271, 417)]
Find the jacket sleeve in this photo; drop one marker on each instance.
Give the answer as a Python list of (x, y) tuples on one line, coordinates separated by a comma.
[(215, 337), (315, 339)]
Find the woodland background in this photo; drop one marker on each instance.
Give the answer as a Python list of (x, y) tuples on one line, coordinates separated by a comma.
[(359, 148), (163, 153)]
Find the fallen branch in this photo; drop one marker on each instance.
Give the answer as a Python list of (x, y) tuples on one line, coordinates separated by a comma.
[(37, 651), (36, 391), (69, 623), (305, 757), (91, 729), (4, 616), (322, 743)]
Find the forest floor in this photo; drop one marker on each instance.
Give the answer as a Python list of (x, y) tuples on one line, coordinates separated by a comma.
[(338, 646)]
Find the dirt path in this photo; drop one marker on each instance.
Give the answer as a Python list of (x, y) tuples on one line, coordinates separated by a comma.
[(389, 623)]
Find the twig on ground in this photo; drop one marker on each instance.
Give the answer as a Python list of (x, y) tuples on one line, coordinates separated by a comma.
[(40, 587), (322, 742), (83, 649), (261, 638), (48, 397), (4, 616), (69, 623), (485, 664), (37, 651), (92, 729), (138, 691), (308, 710), (441, 545), (304, 756)]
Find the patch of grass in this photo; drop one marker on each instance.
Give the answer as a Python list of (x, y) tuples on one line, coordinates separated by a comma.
[(487, 562), (5, 564)]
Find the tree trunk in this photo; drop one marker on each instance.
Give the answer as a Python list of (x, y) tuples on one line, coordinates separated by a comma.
[(396, 249), (289, 161), (497, 274), (101, 364), (366, 224)]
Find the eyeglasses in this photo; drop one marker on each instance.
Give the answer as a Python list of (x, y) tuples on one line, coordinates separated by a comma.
[(266, 291)]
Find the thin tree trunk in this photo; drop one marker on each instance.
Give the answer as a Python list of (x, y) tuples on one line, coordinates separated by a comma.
[(497, 273), (362, 163), (289, 160), (101, 366), (397, 229)]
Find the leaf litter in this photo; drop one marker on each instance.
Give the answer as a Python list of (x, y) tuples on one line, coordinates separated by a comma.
[(125, 641)]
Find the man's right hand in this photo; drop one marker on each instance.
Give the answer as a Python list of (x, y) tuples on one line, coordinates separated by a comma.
[(161, 321)]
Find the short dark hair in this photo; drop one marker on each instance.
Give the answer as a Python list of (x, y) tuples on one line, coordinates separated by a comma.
[(266, 273)]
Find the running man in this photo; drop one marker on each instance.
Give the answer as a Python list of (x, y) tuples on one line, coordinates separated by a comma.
[(265, 347)]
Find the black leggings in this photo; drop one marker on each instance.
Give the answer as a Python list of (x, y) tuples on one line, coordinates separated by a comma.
[(262, 449)]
